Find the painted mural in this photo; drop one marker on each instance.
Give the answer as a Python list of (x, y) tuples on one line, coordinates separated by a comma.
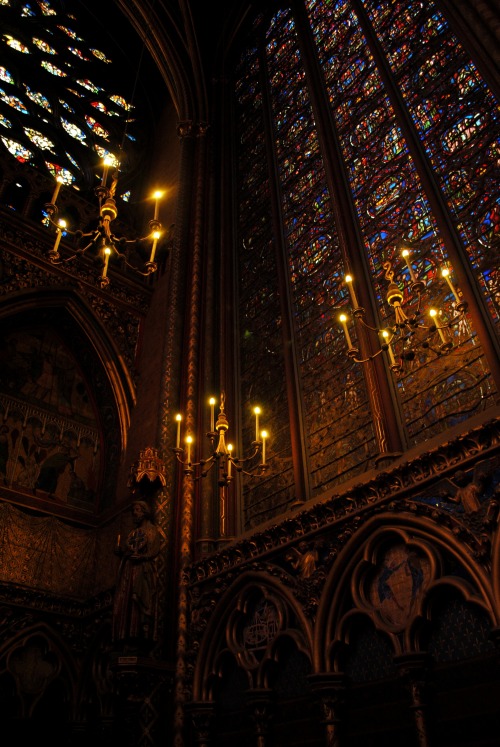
[(49, 435)]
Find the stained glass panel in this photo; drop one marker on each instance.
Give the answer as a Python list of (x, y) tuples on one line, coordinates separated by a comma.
[(332, 390), (462, 137), (393, 210), (418, 133), (260, 327)]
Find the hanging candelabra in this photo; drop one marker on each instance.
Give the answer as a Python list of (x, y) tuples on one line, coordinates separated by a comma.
[(102, 238), (402, 338), (228, 464)]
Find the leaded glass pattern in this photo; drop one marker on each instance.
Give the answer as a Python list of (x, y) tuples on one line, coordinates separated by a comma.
[(458, 121), (393, 210), (417, 129), (70, 97), (262, 371), (332, 389)]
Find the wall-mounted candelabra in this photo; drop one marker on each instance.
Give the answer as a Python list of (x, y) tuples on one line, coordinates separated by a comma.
[(228, 464), (405, 335), (102, 239)]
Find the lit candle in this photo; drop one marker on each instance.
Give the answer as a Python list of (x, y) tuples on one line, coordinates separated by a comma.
[(446, 274), (156, 236), (264, 435), (405, 253), (59, 233), (343, 321), (212, 416), (229, 448), (189, 441), (157, 196), (118, 540), (385, 335), (433, 314), (348, 279), (178, 440), (107, 252), (107, 163), (257, 413), (59, 181)]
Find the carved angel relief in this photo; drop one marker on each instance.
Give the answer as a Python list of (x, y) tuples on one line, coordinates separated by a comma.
[(466, 489)]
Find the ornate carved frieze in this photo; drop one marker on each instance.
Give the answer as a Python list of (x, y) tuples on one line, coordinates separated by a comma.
[(21, 608), (440, 483)]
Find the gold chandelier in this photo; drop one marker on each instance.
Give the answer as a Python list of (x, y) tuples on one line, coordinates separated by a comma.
[(228, 464), (102, 238), (402, 339)]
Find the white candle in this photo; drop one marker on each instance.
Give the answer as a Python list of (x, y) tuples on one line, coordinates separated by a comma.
[(385, 335), (433, 314), (189, 440), (56, 190), (229, 448), (157, 196), (156, 236), (343, 321), (212, 416), (348, 279), (257, 413), (264, 435), (57, 241), (446, 274), (178, 440), (405, 253), (107, 252)]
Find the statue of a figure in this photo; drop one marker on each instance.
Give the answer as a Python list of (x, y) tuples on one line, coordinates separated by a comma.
[(135, 600)]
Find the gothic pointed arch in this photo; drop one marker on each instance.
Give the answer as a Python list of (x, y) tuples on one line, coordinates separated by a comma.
[(253, 628), (66, 394), (37, 671), (385, 595)]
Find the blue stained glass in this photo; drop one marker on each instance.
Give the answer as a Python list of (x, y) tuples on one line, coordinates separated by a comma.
[(393, 185)]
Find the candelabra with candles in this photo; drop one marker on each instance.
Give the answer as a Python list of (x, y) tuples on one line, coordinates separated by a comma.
[(222, 453), (102, 237), (401, 339)]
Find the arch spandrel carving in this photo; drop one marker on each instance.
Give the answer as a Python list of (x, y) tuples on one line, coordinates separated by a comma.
[(391, 581), (250, 622)]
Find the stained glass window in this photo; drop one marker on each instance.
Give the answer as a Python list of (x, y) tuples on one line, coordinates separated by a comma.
[(260, 314), (415, 134), (53, 77)]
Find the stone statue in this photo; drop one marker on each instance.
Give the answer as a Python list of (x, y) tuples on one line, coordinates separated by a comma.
[(135, 600)]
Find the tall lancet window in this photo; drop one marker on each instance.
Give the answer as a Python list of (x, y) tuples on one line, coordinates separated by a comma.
[(364, 129)]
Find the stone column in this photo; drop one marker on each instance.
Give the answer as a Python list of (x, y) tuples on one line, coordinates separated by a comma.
[(413, 670), (259, 703), (330, 690), (202, 717)]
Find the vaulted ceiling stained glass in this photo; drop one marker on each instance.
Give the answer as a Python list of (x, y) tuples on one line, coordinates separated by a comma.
[(63, 106), (398, 149)]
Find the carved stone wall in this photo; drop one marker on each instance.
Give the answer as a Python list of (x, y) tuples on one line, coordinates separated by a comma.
[(394, 582)]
